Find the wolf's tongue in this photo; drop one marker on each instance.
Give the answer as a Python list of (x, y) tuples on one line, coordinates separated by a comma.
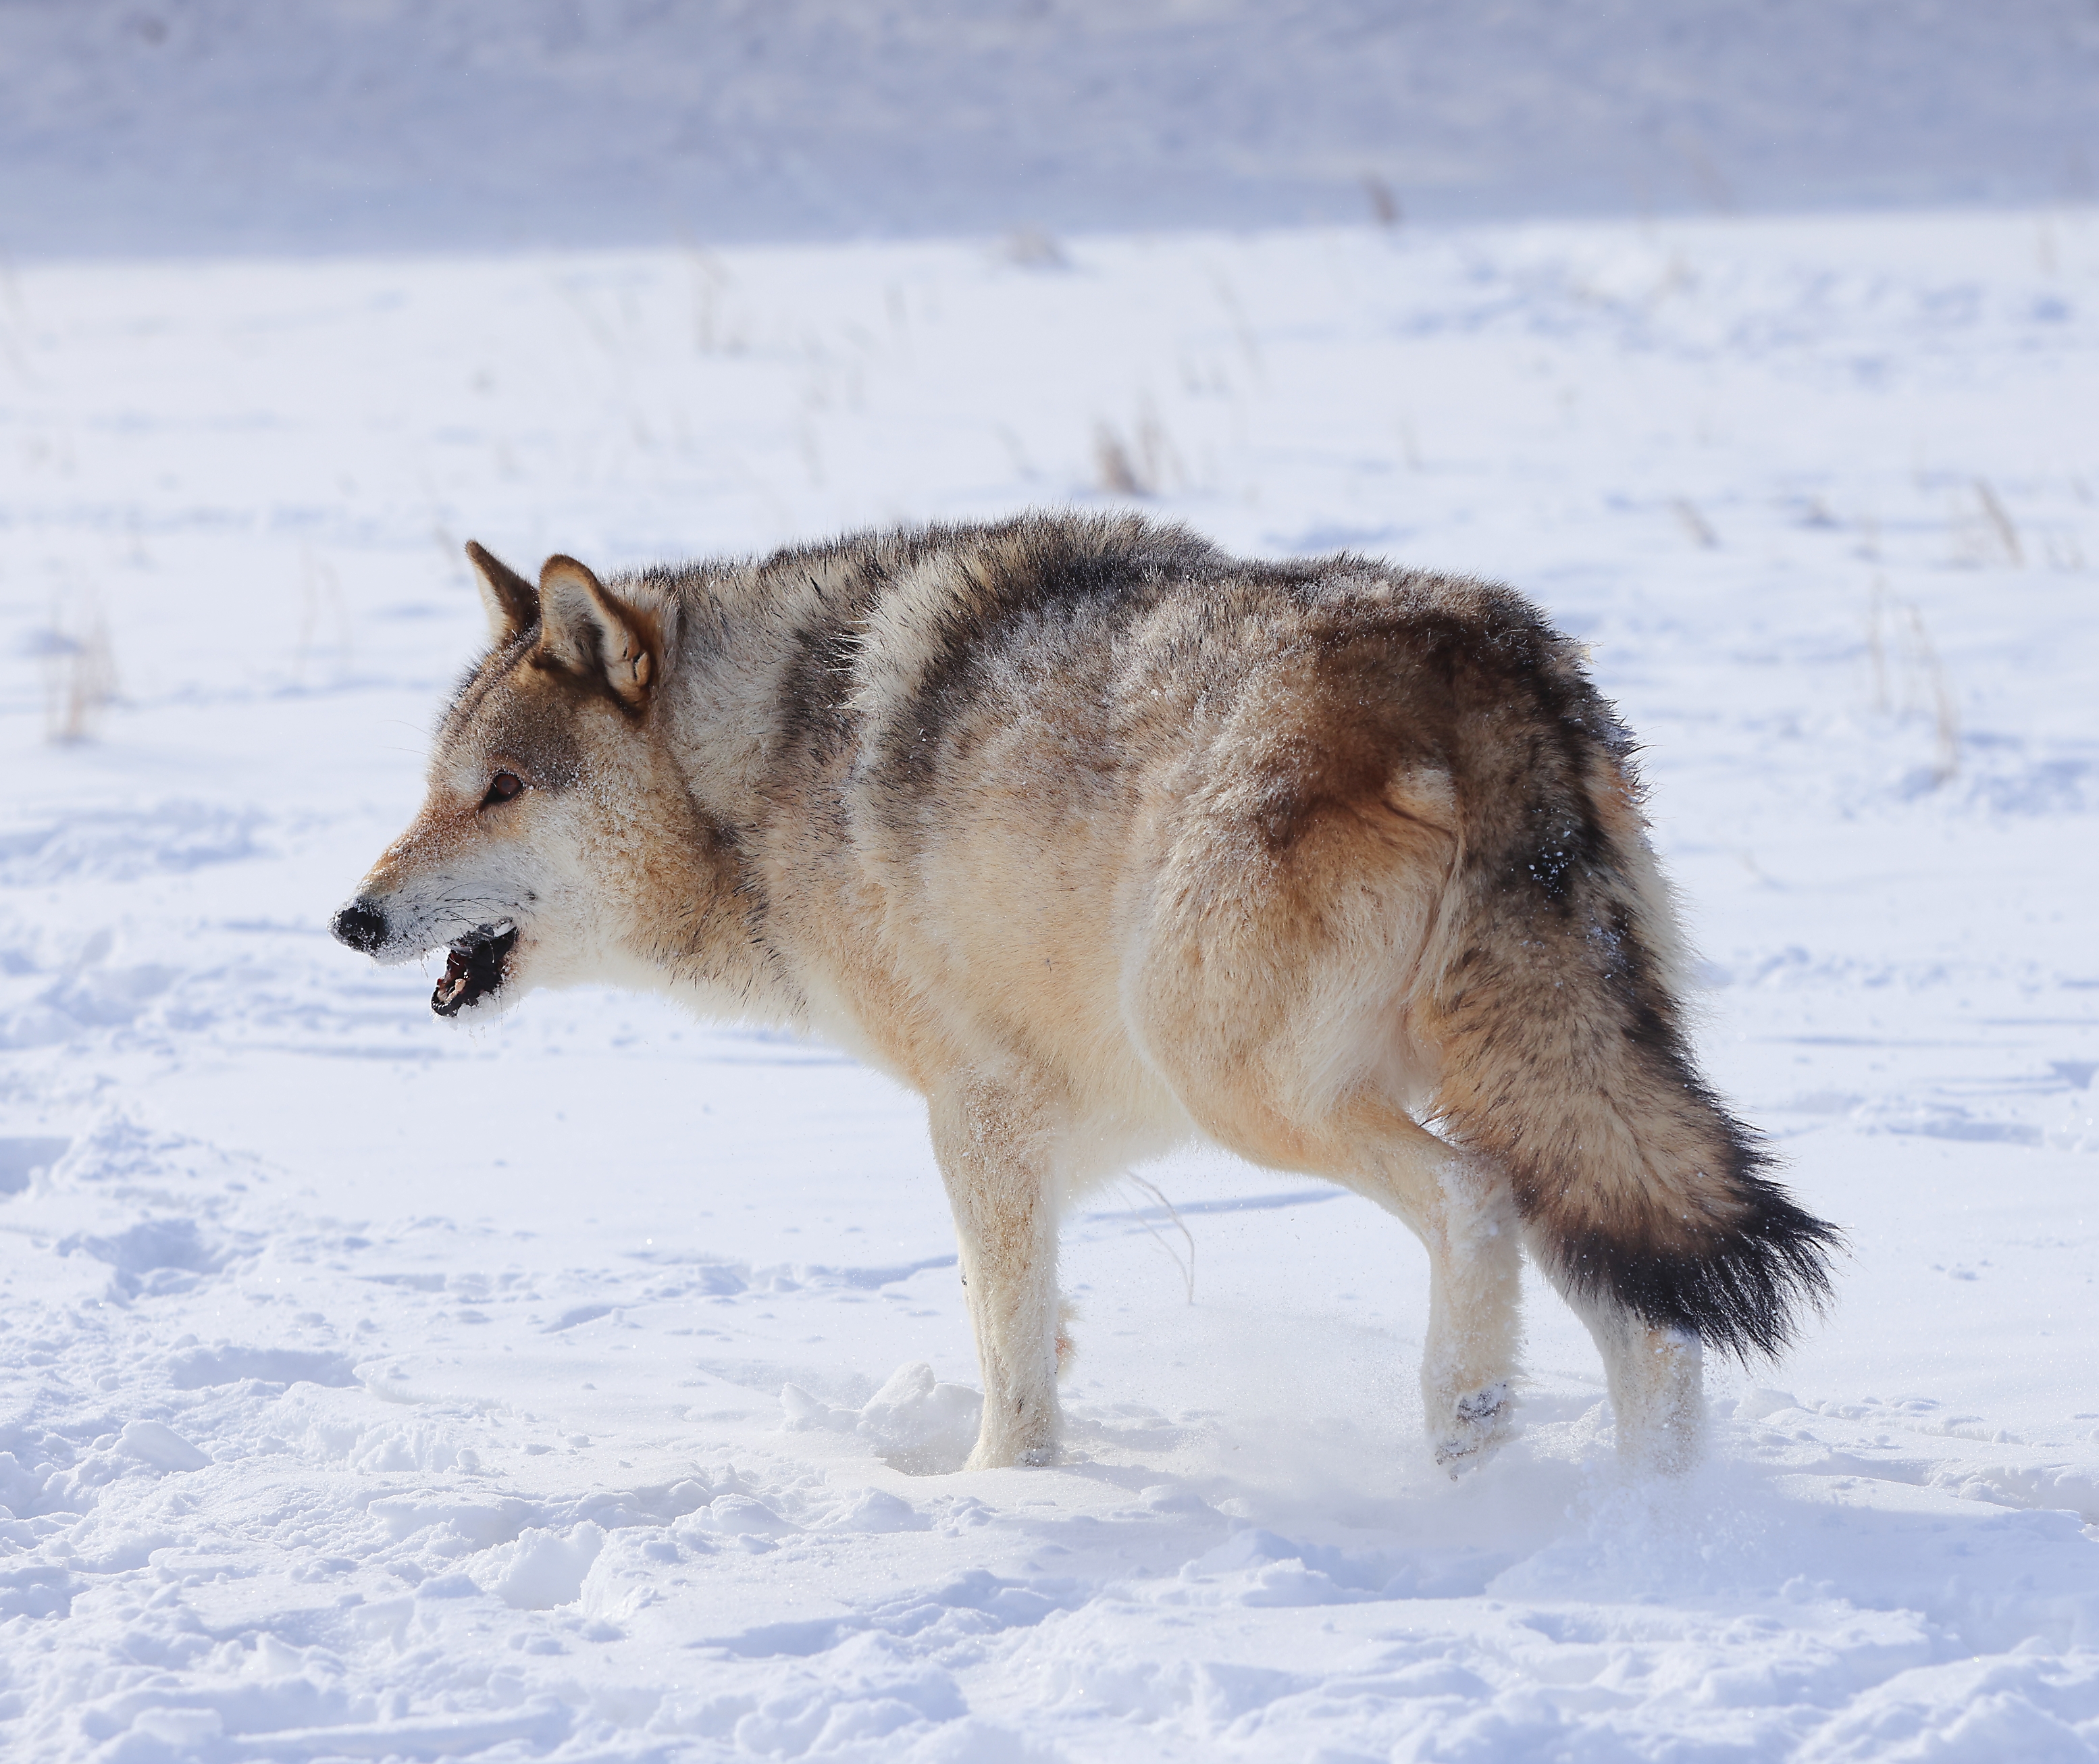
[(474, 968), (454, 980)]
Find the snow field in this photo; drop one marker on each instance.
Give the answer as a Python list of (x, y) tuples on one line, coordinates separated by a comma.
[(590, 1387), (242, 126)]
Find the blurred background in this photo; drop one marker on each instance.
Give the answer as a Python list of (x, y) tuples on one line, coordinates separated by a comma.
[(158, 126)]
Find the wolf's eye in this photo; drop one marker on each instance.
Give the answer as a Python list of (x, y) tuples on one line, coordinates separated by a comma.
[(501, 787)]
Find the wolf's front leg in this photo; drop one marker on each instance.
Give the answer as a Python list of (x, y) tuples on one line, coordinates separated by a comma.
[(995, 1144)]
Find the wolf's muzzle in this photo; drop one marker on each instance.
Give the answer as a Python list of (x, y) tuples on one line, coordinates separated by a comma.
[(362, 927)]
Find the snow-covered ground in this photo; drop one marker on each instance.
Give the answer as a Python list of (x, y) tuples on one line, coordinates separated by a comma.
[(589, 1388), (129, 127)]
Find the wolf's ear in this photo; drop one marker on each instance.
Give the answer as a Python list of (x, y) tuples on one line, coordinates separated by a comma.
[(512, 603), (588, 630)]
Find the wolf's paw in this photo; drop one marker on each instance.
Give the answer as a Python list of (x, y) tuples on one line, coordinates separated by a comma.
[(1480, 1421), (1012, 1457)]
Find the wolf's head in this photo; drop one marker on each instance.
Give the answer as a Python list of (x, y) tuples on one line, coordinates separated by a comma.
[(552, 810)]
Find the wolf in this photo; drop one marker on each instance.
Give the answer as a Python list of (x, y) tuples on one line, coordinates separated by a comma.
[(1101, 840)]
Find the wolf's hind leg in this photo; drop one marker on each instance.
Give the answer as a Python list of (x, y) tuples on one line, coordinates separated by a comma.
[(1475, 1314), (1465, 1216), (1656, 1380), (1657, 1383), (995, 1144)]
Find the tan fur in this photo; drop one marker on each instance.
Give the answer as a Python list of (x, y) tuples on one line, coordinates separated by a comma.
[(1100, 841)]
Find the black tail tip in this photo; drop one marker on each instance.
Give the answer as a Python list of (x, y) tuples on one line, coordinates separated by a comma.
[(1745, 1295)]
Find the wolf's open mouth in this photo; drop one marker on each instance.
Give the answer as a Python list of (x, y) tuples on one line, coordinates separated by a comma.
[(474, 968)]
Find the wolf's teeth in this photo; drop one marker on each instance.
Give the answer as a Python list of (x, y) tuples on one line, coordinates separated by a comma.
[(503, 927), (451, 989)]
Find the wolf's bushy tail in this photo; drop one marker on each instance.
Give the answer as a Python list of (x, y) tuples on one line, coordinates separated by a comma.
[(1563, 1052)]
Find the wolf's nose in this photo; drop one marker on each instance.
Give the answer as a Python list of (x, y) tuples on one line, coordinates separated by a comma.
[(360, 926)]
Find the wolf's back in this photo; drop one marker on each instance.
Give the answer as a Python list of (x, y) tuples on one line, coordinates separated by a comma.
[(1553, 1002)]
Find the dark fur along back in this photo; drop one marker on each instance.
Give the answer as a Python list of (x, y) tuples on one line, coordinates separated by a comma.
[(1565, 1054)]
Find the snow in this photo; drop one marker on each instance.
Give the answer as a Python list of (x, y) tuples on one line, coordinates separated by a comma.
[(590, 1386), (133, 126)]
